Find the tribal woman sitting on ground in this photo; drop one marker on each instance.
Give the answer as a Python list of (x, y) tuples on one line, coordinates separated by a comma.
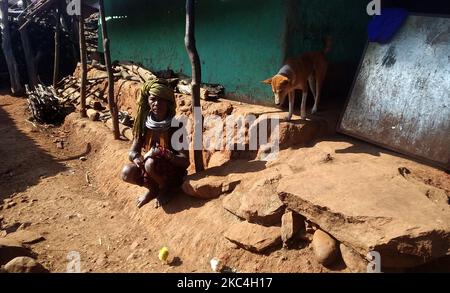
[(161, 169)]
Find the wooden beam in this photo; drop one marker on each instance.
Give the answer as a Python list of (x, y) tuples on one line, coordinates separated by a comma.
[(189, 41), (111, 102), (57, 48), (29, 57), (83, 65), (13, 69), (35, 11), (72, 29)]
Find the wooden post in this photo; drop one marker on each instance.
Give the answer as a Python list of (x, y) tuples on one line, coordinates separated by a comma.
[(13, 69), (29, 58), (111, 101), (72, 28), (29, 55), (57, 48), (83, 65), (189, 41)]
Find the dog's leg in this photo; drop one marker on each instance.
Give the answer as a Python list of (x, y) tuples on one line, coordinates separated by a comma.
[(318, 85), (319, 78), (303, 108), (312, 85), (291, 105)]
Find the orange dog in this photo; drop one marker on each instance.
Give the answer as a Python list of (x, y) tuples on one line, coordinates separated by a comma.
[(296, 73)]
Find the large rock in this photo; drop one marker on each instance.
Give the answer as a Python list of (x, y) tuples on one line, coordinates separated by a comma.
[(291, 133), (256, 199), (371, 208), (216, 181), (92, 114), (325, 248), (292, 227), (354, 262), (219, 158), (26, 237), (302, 132), (221, 109), (10, 249), (254, 238), (209, 187), (256, 206), (24, 265)]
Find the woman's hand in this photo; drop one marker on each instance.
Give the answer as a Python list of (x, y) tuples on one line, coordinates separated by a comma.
[(158, 152), (139, 162), (168, 154), (153, 153)]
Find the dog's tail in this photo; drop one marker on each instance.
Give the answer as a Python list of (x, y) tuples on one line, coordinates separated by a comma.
[(328, 44)]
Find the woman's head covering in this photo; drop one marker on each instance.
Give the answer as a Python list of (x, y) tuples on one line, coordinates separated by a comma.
[(157, 88)]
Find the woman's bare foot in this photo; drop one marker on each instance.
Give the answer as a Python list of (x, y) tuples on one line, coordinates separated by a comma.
[(144, 199), (163, 197)]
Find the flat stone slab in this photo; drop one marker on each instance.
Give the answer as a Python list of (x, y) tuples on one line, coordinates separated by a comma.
[(256, 199), (25, 237), (216, 181), (252, 237), (255, 206), (209, 187), (10, 249), (371, 208)]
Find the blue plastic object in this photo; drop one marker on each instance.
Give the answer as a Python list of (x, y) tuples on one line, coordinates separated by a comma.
[(382, 28)]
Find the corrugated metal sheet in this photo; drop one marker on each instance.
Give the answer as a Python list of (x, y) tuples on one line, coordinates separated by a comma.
[(401, 96)]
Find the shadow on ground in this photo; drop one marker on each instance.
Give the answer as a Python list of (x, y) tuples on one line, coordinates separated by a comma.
[(23, 161)]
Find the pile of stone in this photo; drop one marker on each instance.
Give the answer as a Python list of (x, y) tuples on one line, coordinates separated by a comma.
[(267, 224), (372, 220)]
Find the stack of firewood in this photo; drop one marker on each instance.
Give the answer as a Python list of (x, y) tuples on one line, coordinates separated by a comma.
[(91, 32), (69, 89), (45, 105)]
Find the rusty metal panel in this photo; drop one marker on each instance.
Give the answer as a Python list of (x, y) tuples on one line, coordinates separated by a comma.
[(401, 96)]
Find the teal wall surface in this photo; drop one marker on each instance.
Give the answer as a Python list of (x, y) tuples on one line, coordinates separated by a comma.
[(239, 43)]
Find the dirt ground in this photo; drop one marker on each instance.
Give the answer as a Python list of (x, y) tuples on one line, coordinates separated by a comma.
[(58, 195), (51, 195)]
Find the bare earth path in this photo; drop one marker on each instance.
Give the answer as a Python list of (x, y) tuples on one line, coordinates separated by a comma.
[(51, 196)]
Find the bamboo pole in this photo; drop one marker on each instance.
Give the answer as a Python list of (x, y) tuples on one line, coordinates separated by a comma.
[(112, 104), (29, 55), (57, 49), (83, 65), (29, 59), (13, 69), (189, 41)]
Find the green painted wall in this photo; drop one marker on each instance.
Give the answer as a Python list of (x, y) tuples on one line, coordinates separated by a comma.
[(241, 42)]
